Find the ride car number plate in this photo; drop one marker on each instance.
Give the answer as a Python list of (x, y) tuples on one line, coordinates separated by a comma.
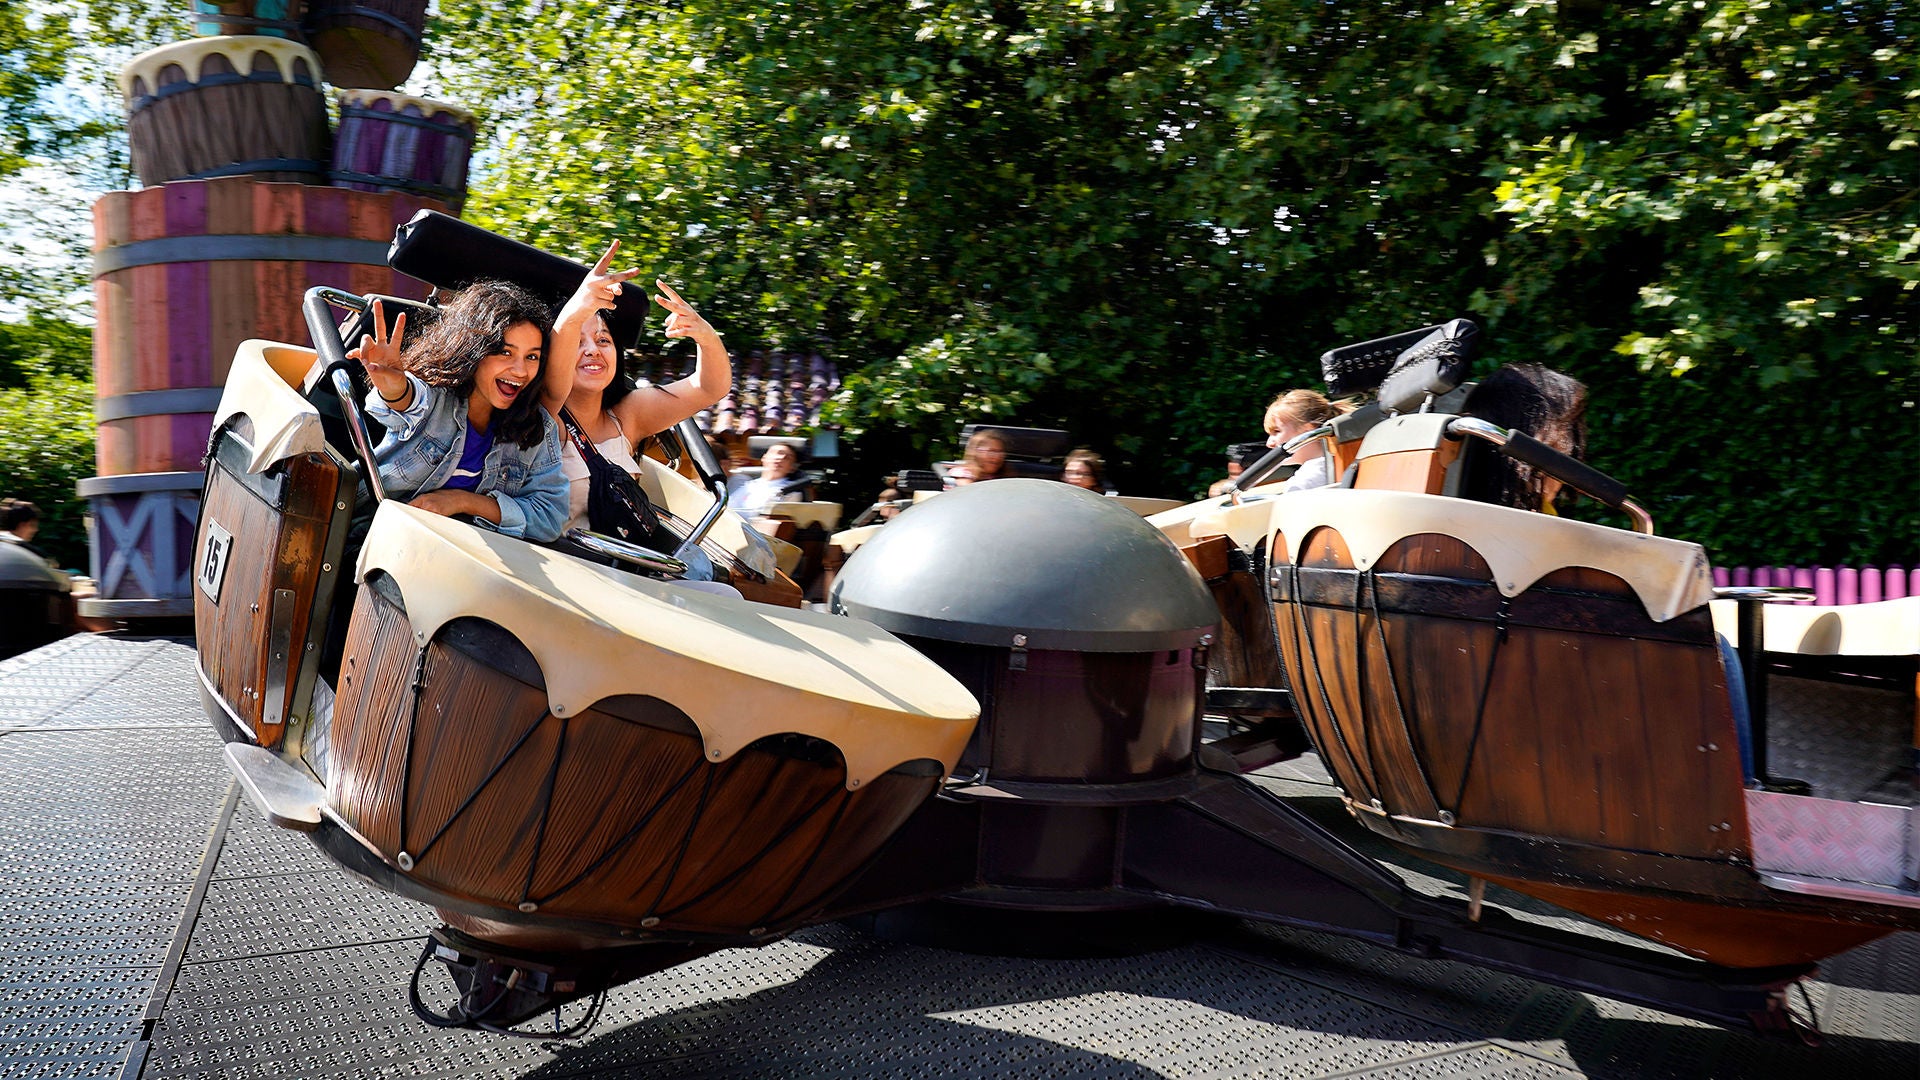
[(213, 562)]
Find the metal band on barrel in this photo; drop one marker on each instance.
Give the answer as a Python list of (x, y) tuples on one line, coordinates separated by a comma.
[(225, 248), (190, 399), (457, 130)]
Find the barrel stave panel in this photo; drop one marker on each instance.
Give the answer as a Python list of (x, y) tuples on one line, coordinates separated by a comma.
[(276, 561), (1561, 712), (607, 817)]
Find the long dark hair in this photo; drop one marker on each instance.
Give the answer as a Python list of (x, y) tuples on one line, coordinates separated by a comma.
[(471, 327), (1540, 402)]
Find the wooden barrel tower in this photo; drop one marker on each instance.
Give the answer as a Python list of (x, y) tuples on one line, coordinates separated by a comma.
[(184, 272)]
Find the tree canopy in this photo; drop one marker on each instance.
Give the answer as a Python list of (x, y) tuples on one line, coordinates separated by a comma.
[(1139, 219)]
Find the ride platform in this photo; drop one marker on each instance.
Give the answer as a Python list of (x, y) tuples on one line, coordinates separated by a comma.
[(152, 924)]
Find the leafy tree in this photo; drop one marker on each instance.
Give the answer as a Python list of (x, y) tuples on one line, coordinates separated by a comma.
[(46, 447)]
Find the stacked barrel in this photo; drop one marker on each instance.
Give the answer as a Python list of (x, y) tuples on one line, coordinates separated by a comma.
[(248, 199)]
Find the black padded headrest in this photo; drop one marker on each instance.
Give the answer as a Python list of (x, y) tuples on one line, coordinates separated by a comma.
[(1030, 444), (448, 253), (919, 480), (1351, 369), (1246, 453), (1430, 367)]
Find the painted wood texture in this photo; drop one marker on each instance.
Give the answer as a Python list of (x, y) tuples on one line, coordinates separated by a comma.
[(372, 44), (175, 325), (1245, 653), (274, 548), (1710, 928), (178, 128), (1591, 728), (613, 817)]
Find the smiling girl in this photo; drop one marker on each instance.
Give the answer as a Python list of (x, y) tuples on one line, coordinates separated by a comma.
[(465, 430), (612, 412)]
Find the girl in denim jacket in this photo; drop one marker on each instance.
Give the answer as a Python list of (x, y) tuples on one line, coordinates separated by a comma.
[(466, 433)]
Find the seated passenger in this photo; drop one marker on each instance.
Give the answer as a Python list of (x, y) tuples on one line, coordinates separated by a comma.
[(777, 482), (1536, 401), (1084, 469), (985, 459), (1293, 414), (611, 412), (465, 433)]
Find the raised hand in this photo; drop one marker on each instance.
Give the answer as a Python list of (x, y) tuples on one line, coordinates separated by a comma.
[(598, 291), (379, 353), (682, 320)]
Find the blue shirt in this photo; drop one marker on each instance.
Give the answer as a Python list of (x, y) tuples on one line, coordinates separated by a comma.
[(473, 459)]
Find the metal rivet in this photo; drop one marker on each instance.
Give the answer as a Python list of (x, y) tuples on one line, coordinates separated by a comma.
[(714, 754), (528, 907), (1019, 640), (326, 568), (1446, 817), (650, 921), (339, 506), (1206, 639), (404, 860), (854, 783)]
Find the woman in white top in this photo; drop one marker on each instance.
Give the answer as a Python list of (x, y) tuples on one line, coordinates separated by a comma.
[(1293, 414), (613, 412)]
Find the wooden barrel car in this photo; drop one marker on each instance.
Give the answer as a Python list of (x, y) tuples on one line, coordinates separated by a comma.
[(1542, 703), (556, 754)]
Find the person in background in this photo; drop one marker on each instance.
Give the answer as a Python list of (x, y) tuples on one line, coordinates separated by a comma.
[(778, 480), (1084, 469), (887, 499), (985, 459), (1293, 414), (19, 523)]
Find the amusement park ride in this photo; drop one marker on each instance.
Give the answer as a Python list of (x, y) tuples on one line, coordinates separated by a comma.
[(592, 772)]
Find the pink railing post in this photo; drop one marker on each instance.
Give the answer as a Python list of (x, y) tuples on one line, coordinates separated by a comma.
[(1895, 585)]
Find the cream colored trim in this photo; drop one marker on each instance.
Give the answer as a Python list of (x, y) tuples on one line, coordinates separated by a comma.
[(824, 514), (1669, 576), (1176, 522), (1887, 628), (426, 107), (261, 384), (740, 670), (1146, 506), (239, 49), (849, 539)]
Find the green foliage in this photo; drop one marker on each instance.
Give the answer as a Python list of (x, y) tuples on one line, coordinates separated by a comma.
[(46, 447), (1140, 220), (46, 346)]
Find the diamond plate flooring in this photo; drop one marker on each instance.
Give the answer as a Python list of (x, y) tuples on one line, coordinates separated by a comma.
[(153, 926)]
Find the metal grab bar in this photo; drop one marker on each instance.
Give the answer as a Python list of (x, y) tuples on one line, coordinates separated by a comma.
[(1574, 473), (1251, 476)]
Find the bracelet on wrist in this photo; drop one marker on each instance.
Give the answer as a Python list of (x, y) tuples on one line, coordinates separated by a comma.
[(404, 391)]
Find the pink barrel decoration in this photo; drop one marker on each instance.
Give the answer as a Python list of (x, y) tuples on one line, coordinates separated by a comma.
[(1896, 583), (1870, 585), (1742, 576), (397, 142), (1721, 578), (1846, 582), (1825, 592)]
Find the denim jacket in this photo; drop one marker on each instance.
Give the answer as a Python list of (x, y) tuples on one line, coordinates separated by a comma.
[(422, 448)]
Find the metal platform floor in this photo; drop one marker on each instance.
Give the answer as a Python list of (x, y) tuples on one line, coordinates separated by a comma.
[(152, 925)]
